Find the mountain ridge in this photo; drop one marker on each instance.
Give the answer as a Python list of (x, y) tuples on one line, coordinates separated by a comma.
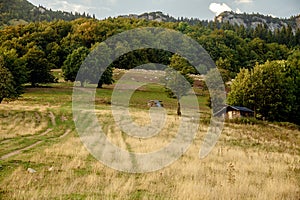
[(14, 12), (245, 19), (253, 20)]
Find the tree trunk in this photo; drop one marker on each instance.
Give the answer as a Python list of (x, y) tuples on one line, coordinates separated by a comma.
[(99, 85), (178, 108)]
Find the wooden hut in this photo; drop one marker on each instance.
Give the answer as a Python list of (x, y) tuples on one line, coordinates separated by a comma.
[(232, 112)]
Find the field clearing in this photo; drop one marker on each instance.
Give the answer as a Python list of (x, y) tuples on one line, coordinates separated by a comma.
[(259, 161)]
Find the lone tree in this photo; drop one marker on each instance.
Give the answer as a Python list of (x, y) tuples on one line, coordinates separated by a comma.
[(177, 81)]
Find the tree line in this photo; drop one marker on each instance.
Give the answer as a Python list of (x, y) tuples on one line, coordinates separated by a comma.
[(29, 52), (271, 89)]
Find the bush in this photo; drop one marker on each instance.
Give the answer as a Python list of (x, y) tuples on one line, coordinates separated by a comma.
[(245, 120)]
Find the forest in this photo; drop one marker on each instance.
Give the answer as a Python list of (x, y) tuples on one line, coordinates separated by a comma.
[(15, 12), (262, 65)]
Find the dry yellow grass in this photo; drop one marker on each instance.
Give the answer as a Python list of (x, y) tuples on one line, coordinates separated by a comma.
[(245, 164), (140, 145), (22, 118), (20, 123)]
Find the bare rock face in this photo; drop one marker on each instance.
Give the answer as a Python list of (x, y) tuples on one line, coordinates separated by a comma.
[(254, 20), (152, 16)]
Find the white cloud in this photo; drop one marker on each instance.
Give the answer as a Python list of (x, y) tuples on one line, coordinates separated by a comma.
[(243, 1), (218, 8), (66, 6), (112, 2)]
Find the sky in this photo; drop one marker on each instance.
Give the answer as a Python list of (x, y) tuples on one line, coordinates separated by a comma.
[(202, 9)]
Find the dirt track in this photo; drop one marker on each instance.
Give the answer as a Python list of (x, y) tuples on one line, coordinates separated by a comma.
[(19, 151)]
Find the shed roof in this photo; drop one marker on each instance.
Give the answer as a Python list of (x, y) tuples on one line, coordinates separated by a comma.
[(244, 109), (224, 109)]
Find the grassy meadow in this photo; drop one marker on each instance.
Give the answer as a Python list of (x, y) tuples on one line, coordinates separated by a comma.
[(255, 160)]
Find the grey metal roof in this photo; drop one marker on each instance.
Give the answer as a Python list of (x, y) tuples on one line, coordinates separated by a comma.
[(241, 108)]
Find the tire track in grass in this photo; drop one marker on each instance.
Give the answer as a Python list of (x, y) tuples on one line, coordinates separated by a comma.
[(120, 142), (18, 143), (46, 132), (65, 134), (19, 151), (132, 156), (52, 118), (4, 141), (39, 138)]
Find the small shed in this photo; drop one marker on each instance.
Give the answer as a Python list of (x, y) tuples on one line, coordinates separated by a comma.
[(238, 112), (233, 112), (155, 103)]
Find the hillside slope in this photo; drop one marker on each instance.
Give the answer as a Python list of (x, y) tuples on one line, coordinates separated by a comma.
[(247, 20), (13, 12)]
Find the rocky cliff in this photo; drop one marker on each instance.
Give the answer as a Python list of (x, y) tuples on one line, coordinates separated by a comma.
[(253, 20)]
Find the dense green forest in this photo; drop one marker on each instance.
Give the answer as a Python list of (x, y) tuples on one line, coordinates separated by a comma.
[(28, 52)]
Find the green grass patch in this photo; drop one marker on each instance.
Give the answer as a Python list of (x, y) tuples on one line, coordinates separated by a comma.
[(143, 194)]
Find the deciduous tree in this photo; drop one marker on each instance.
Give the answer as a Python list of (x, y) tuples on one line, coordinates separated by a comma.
[(73, 62), (267, 88), (178, 83), (38, 67)]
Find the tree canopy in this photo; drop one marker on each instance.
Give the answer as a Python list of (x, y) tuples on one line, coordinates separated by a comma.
[(73, 62), (37, 66), (30, 51), (177, 81), (6, 84), (270, 89)]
